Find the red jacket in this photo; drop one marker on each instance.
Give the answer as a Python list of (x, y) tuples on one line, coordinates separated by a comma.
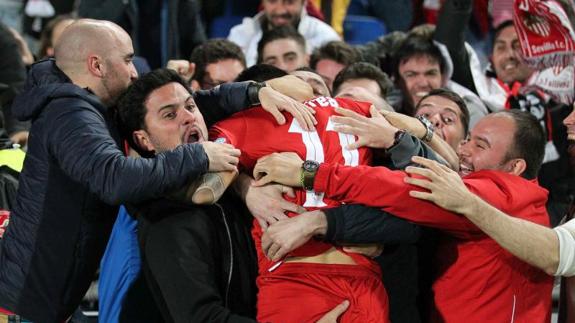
[(478, 281)]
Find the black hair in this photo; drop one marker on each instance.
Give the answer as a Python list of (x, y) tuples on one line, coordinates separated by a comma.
[(336, 50), (260, 73), (529, 141), (416, 45), (131, 110), (213, 51), (363, 70)]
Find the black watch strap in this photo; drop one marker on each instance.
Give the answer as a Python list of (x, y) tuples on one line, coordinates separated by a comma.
[(253, 91), (309, 169)]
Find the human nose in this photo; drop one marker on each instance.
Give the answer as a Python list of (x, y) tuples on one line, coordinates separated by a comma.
[(133, 72), (435, 119)]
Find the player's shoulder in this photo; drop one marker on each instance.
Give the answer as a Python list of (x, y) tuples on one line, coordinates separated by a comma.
[(328, 102)]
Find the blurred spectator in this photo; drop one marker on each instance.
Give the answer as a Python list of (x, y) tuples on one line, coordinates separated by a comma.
[(278, 13), (284, 48), (334, 12), (51, 34), (11, 13), (329, 59), (161, 30), (421, 66), (12, 78), (217, 61), (363, 82), (505, 84)]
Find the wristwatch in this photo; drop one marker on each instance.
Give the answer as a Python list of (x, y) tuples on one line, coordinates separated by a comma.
[(309, 169), (429, 128), (253, 91)]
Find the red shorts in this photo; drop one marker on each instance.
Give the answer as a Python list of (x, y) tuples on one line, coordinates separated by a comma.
[(300, 292)]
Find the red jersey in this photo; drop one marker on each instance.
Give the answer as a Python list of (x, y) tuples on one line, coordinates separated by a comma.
[(256, 133), (478, 280)]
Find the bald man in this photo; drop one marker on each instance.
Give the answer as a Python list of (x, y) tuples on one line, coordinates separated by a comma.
[(75, 175)]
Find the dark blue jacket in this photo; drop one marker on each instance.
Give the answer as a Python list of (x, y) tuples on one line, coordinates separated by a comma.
[(74, 177)]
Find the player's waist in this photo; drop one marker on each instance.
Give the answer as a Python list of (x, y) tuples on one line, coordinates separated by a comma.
[(331, 256)]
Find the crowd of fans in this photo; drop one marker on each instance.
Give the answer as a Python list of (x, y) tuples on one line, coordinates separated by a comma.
[(282, 174)]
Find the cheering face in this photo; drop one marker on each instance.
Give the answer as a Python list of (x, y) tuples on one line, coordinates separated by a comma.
[(283, 12), (419, 75), (488, 144), (172, 119), (506, 59), (569, 122), (445, 115)]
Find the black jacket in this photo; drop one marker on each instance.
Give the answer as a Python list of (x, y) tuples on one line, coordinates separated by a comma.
[(74, 175), (199, 261)]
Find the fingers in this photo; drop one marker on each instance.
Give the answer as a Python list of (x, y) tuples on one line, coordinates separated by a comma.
[(263, 179), (349, 121), (425, 172), (307, 118), (335, 313), (422, 195), (418, 182), (288, 206), (289, 191), (431, 164), (349, 113), (280, 119), (374, 112), (263, 224)]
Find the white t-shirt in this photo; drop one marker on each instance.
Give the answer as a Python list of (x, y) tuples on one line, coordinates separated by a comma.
[(566, 235)]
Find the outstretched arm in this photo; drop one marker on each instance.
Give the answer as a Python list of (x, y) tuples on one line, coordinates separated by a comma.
[(534, 243)]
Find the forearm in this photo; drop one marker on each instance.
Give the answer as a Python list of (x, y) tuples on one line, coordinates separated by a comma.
[(408, 147), (360, 224), (531, 242), (452, 24), (383, 188)]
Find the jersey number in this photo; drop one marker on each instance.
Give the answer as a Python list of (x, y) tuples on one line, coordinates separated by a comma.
[(314, 151)]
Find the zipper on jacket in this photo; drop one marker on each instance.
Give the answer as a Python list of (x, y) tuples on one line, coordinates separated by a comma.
[(231, 254)]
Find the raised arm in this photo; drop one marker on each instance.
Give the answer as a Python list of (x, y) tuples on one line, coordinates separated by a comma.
[(452, 24)]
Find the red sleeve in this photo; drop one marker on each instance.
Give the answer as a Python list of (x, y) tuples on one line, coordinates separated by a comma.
[(384, 188)]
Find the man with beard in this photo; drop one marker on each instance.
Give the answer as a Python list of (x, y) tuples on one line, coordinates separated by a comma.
[(509, 83), (277, 13), (75, 175), (477, 279)]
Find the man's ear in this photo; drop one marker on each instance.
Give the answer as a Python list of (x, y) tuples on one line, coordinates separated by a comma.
[(142, 140), (517, 166), (95, 66)]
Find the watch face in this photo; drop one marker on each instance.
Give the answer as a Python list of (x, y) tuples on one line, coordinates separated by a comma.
[(310, 165)]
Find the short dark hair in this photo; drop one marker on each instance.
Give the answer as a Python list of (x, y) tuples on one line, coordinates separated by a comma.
[(131, 109), (363, 70), (336, 50), (416, 45), (260, 73), (277, 33), (500, 28), (455, 98), (213, 51), (528, 141)]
